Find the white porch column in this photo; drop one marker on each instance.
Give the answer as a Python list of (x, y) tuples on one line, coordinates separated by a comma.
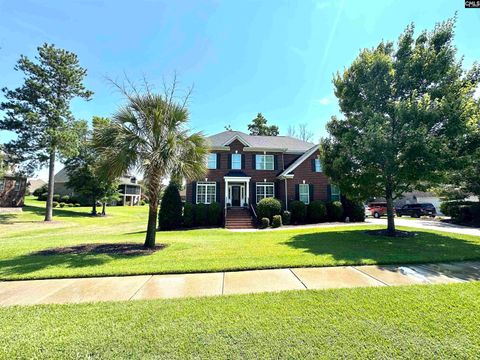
[(247, 195), (226, 193)]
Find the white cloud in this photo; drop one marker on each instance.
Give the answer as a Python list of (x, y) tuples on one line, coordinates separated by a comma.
[(325, 100)]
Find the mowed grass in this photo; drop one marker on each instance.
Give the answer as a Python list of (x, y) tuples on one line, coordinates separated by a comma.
[(21, 235), (417, 322)]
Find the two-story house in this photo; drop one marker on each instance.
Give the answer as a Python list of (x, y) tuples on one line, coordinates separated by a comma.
[(243, 169)]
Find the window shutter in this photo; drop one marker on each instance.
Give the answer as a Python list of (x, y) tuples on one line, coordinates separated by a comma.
[(243, 161), (194, 192), (276, 190), (254, 193), (229, 161), (275, 162), (218, 161), (254, 162), (297, 192), (313, 165), (310, 188), (329, 192), (218, 199)]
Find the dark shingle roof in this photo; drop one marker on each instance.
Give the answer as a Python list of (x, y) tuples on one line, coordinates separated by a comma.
[(271, 142)]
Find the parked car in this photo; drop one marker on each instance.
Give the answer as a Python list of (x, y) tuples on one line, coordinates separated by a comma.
[(368, 212), (417, 210), (377, 209)]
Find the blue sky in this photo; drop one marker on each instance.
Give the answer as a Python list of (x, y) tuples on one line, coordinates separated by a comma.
[(243, 57)]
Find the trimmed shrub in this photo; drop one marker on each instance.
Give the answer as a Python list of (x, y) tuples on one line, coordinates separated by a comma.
[(65, 198), (55, 204), (268, 207), (201, 213), (69, 205), (264, 223), (189, 215), (43, 196), (317, 212), (77, 205), (355, 210), (334, 211), (286, 217), (41, 190), (142, 203), (56, 197), (298, 210), (62, 204), (170, 215), (277, 221), (214, 214)]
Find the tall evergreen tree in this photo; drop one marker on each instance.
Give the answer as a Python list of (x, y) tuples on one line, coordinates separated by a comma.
[(39, 111), (259, 126), (406, 113)]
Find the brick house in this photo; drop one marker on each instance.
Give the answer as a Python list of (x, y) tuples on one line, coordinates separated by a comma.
[(12, 190), (243, 169)]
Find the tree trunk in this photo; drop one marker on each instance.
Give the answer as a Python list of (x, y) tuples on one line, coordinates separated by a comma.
[(153, 190), (390, 213), (51, 179), (104, 205), (94, 207)]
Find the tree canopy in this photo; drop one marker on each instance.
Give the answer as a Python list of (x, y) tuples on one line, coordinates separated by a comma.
[(259, 126), (406, 112), (38, 111)]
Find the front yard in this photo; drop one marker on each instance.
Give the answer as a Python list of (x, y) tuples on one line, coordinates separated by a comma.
[(416, 322), (201, 250)]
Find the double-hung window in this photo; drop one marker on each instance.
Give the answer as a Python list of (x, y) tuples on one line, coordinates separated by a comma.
[(212, 161), (334, 193), (264, 162), (304, 193), (236, 161), (265, 190), (206, 192), (318, 166), (2, 184), (17, 185)]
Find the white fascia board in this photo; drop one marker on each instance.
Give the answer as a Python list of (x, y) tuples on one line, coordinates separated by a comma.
[(236, 137), (300, 160)]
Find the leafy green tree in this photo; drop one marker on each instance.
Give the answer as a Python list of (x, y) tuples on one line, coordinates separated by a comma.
[(405, 112), (39, 111), (87, 178), (259, 126), (150, 133)]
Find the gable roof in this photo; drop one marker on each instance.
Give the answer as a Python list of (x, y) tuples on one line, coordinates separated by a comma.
[(61, 176), (281, 143), (300, 160)]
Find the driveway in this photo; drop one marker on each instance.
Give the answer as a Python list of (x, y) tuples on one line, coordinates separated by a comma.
[(427, 224)]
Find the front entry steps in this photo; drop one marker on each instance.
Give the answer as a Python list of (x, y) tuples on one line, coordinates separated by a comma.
[(239, 218)]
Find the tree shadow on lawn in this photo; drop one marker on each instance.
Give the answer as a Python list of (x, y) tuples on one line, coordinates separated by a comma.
[(357, 247), (12, 218)]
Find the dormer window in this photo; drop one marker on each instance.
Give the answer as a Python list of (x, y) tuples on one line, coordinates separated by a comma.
[(212, 161), (318, 165)]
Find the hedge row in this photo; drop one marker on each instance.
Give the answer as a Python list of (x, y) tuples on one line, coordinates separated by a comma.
[(462, 212), (202, 215)]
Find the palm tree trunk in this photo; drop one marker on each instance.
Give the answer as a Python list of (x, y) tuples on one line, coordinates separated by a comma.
[(51, 180), (153, 190), (390, 214)]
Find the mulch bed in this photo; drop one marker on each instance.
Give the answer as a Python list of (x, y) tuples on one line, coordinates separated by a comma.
[(113, 249), (398, 233)]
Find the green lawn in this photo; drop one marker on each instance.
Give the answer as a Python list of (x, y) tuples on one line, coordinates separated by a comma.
[(201, 250), (418, 322)]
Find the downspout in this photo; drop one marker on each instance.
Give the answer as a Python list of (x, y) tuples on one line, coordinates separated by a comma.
[(286, 195)]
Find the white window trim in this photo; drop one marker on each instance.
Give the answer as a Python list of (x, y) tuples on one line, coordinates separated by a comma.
[(17, 185), (319, 167), (303, 186), (208, 161), (239, 156), (207, 184), (2, 184), (264, 195), (332, 194), (265, 156)]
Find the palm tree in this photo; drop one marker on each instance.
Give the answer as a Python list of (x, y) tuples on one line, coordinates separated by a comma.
[(150, 134)]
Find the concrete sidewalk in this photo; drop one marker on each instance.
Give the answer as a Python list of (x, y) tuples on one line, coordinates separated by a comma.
[(62, 291)]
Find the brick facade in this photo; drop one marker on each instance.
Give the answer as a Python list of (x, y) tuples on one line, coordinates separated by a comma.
[(11, 194), (304, 172)]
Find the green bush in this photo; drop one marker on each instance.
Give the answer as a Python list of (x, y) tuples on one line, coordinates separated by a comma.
[(316, 211), (298, 210), (286, 217), (56, 197), (65, 198), (43, 196), (277, 221), (214, 214), (268, 207), (354, 210), (189, 215), (462, 212), (40, 191), (62, 204), (264, 223), (334, 211), (77, 205), (69, 205), (142, 203), (55, 204), (201, 213), (170, 215)]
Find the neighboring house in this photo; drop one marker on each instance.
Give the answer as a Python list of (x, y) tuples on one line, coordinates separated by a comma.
[(34, 184), (243, 169), (416, 197), (12, 190), (129, 188)]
